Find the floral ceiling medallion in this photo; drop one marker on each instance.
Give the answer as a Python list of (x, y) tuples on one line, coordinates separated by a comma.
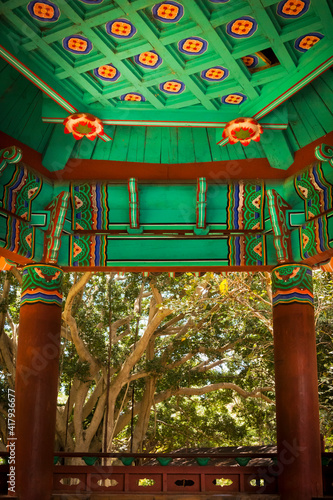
[(293, 9), (44, 11), (83, 125), (243, 130), (168, 12)]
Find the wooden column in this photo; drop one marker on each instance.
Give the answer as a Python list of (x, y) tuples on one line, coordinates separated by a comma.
[(37, 370), (297, 407)]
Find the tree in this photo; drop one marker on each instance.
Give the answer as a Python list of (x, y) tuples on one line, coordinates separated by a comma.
[(158, 362)]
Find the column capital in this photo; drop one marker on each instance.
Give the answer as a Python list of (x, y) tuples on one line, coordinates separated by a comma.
[(292, 283), (42, 283)]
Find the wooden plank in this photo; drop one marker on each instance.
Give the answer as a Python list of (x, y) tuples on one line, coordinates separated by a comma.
[(23, 109), (137, 144), (101, 149), (308, 118), (186, 152), (301, 133), (120, 143), (55, 157), (216, 151), (318, 112), (34, 132), (166, 153), (173, 145), (277, 149), (201, 145), (153, 145)]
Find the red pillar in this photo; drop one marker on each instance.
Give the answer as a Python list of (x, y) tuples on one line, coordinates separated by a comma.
[(297, 406), (37, 370)]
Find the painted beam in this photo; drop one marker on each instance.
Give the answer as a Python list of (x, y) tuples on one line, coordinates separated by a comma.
[(58, 210), (133, 204)]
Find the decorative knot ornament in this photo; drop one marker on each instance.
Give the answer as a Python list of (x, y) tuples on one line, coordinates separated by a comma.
[(83, 125), (243, 130)]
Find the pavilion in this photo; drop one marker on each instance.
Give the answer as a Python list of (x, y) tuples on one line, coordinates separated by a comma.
[(175, 136)]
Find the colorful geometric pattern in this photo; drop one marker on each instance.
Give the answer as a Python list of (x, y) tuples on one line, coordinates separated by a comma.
[(88, 250), (120, 28), (20, 191), (12, 154), (133, 96), (193, 46), (133, 203), (247, 250), (244, 27), (277, 211), (90, 208), (292, 283), (216, 74), (41, 283), (44, 11), (314, 238), (107, 72), (250, 61), (20, 238), (245, 206), (58, 209), (236, 98), (148, 60), (324, 153), (293, 9), (168, 12), (201, 211), (315, 190), (306, 42), (77, 44), (172, 87)]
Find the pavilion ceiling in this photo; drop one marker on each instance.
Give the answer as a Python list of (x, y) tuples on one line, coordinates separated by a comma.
[(213, 59)]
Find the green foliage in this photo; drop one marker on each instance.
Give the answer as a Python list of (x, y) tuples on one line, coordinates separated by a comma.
[(214, 335)]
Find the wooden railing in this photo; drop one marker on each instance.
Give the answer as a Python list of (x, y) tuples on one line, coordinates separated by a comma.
[(179, 479)]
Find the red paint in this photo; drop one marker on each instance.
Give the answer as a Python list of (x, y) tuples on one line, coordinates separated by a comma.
[(127, 478), (36, 399), (297, 406)]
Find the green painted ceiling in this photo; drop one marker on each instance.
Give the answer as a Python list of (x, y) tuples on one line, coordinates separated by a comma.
[(67, 44), (310, 116)]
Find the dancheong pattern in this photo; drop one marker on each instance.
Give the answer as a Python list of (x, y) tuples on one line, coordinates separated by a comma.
[(20, 191), (277, 207), (247, 250), (12, 154), (58, 209), (89, 206), (314, 189), (41, 283), (245, 206), (88, 250), (324, 153), (20, 237), (292, 283), (314, 238)]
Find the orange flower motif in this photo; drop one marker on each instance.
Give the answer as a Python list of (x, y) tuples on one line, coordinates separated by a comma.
[(308, 42), (77, 44), (293, 7), (83, 125), (242, 27), (243, 130), (43, 10)]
